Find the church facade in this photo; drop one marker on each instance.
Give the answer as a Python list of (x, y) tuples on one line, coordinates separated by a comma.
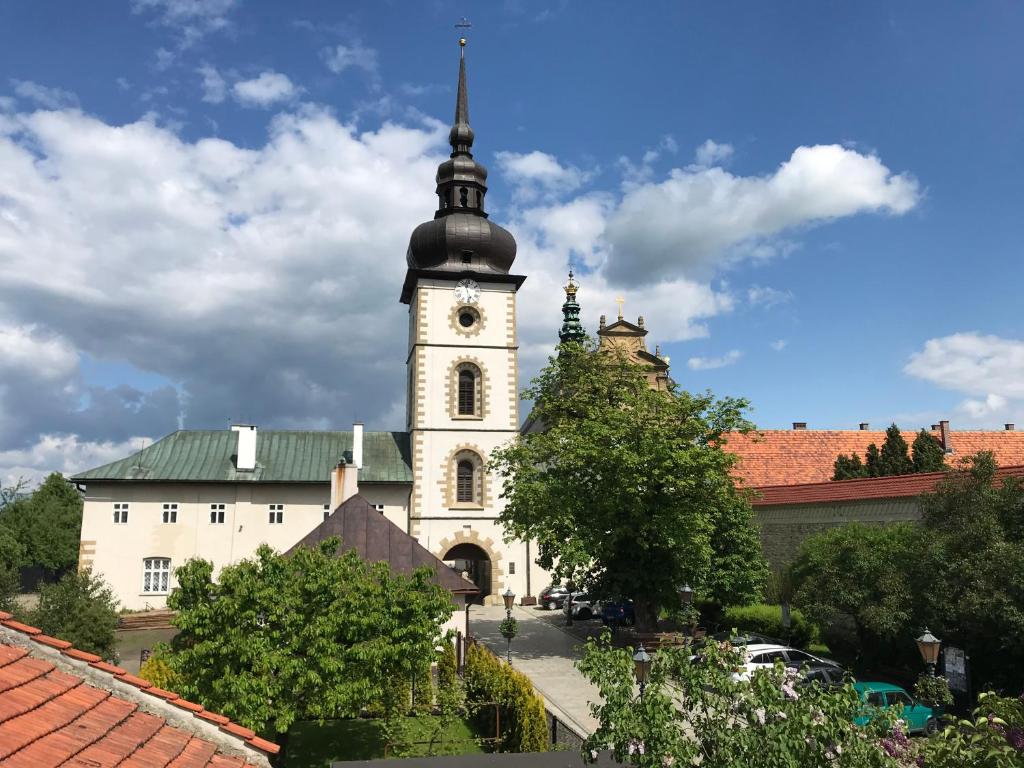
[(220, 494)]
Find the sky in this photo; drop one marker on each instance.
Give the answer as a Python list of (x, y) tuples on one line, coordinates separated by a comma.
[(205, 204)]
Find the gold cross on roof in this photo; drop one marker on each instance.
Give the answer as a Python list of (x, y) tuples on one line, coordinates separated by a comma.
[(620, 301)]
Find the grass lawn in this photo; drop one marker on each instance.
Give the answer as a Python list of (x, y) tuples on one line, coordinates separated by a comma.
[(311, 745)]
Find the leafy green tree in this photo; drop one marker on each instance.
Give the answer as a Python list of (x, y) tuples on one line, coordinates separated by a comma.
[(11, 559), (80, 608), (873, 461), (993, 737), (47, 523), (895, 456), (700, 714), (864, 574), (927, 453), (313, 635), (848, 467), (628, 490)]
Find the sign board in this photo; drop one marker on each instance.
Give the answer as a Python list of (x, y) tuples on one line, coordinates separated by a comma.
[(955, 664)]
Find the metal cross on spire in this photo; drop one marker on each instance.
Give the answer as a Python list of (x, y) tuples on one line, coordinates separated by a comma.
[(463, 26), (620, 301)]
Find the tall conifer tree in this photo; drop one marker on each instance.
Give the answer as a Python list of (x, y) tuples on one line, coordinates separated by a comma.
[(928, 455), (895, 456)]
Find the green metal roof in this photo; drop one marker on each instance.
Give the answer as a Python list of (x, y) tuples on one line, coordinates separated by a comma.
[(208, 456)]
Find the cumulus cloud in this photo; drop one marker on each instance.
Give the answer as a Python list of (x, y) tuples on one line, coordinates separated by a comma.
[(44, 96), (712, 153), (700, 219), (537, 171), (710, 363), (340, 57), (266, 90), (61, 453), (192, 20), (214, 86)]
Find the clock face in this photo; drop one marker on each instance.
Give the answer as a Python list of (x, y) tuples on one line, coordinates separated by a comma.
[(467, 291)]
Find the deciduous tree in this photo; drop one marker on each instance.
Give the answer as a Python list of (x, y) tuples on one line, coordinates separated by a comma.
[(47, 523), (80, 608), (628, 490)]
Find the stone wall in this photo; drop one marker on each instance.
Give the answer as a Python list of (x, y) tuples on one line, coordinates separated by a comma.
[(784, 527)]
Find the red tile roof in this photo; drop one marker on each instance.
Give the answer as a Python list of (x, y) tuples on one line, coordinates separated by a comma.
[(896, 487), (50, 717), (791, 457)]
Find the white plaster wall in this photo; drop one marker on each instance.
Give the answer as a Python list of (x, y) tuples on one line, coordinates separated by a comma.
[(496, 302), (117, 550)]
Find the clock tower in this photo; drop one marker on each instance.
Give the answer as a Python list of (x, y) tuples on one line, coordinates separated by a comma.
[(463, 398)]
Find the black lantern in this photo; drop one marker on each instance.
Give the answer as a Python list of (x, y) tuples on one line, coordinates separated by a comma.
[(685, 594), (928, 644), (510, 598), (641, 668)]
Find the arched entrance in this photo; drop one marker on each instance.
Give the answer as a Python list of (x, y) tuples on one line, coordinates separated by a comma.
[(472, 560)]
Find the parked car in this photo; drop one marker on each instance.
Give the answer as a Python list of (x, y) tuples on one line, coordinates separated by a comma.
[(580, 606), (553, 597), (918, 717), (618, 612), (828, 676), (764, 656), (745, 638)]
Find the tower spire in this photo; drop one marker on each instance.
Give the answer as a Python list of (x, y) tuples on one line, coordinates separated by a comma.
[(461, 135), (572, 329)]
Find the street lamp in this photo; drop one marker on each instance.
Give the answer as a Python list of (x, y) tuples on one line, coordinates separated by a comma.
[(685, 594), (928, 644), (508, 627), (641, 668)]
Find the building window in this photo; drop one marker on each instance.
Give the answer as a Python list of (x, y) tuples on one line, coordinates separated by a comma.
[(463, 197), (327, 511), (217, 514), (276, 514), (511, 569), (121, 513), (156, 572), (467, 392), (170, 513), (464, 482)]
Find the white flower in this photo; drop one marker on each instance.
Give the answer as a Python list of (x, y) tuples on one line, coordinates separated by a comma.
[(593, 754), (667, 760), (759, 713), (780, 715)]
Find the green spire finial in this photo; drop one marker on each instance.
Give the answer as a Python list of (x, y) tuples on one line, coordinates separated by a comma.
[(572, 329)]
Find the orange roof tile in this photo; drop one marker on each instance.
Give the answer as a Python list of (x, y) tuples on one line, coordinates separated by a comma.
[(899, 486), (49, 716), (791, 457)]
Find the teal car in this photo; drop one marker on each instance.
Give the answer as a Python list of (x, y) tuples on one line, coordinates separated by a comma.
[(918, 717)]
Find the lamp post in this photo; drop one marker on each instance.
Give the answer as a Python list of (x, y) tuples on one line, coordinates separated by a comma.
[(928, 644), (686, 599), (508, 626), (641, 668)]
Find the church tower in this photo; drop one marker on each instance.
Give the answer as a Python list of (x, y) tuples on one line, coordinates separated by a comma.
[(463, 398)]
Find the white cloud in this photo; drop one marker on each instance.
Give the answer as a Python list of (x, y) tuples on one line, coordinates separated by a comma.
[(44, 96), (340, 57), (66, 454), (709, 363), (712, 153), (536, 171), (214, 86), (191, 19), (263, 91), (700, 219), (766, 296), (778, 345), (26, 350)]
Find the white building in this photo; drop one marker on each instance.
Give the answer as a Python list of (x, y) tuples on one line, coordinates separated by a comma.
[(219, 494)]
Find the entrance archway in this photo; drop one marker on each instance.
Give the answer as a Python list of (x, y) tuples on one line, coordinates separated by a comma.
[(472, 560)]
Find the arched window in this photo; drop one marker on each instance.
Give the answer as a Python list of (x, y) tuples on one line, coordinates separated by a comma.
[(467, 392), (464, 482), (464, 197)]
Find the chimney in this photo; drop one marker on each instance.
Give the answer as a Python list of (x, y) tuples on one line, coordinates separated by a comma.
[(864, 426), (357, 444), (1008, 426), (245, 455), (947, 446), (799, 425), (935, 427), (338, 484)]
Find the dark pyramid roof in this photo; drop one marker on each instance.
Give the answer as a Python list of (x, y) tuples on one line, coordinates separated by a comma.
[(375, 539)]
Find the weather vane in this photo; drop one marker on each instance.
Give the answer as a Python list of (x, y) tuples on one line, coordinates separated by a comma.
[(463, 26)]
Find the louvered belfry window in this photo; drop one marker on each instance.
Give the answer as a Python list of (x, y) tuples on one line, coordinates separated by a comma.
[(464, 481), (467, 393)]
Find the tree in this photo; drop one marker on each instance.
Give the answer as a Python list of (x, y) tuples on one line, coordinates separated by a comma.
[(628, 490), (700, 714), (927, 453), (47, 523), (848, 467), (11, 558), (313, 635), (873, 461), (894, 458), (80, 608)]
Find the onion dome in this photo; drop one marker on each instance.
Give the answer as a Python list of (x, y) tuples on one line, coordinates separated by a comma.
[(461, 238)]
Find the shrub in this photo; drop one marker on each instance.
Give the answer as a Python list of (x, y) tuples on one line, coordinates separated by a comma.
[(423, 691), (524, 723), (933, 691), (157, 669), (81, 609), (767, 620), (993, 737)]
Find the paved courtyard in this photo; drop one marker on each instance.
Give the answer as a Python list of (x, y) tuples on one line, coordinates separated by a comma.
[(546, 654)]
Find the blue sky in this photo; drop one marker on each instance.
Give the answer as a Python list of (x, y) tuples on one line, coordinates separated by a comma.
[(204, 206)]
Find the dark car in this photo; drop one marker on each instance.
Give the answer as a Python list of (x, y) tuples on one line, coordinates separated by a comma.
[(827, 675), (553, 597), (618, 613)]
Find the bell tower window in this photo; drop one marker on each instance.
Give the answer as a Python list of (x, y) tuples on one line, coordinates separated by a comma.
[(464, 197), (464, 482), (467, 393)]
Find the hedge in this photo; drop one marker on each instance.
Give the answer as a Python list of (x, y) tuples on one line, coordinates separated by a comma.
[(767, 620), (524, 726)]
